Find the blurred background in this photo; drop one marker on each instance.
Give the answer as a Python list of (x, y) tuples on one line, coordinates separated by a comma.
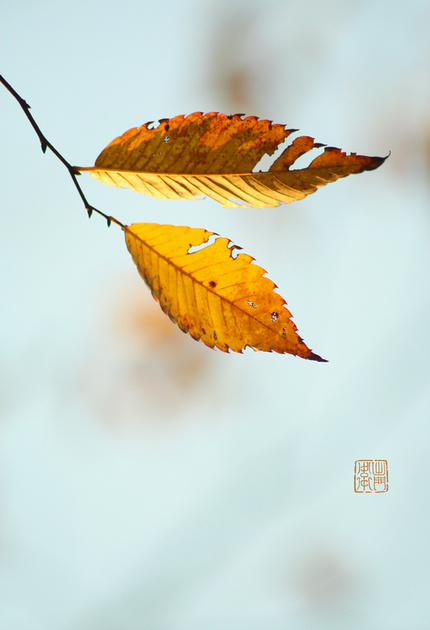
[(147, 481)]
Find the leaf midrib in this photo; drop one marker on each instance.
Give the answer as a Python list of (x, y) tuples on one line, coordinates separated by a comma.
[(199, 282)]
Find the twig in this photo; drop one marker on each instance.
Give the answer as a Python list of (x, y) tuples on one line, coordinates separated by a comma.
[(45, 144)]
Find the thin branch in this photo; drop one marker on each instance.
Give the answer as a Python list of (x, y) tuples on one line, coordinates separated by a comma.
[(45, 144)]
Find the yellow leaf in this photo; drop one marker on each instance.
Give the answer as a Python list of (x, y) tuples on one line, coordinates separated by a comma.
[(213, 295), (214, 155)]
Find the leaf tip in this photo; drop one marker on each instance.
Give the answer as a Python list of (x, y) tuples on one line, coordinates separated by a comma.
[(316, 357), (375, 162)]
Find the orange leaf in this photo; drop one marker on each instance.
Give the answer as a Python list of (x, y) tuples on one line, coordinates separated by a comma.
[(214, 155), (221, 299)]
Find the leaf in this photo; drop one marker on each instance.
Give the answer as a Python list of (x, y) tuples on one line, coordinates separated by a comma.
[(214, 154), (215, 297)]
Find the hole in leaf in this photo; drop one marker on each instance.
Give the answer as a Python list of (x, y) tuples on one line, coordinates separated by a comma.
[(274, 316), (209, 242), (267, 160), (234, 250), (301, 162), (251, 304), (304, 160)]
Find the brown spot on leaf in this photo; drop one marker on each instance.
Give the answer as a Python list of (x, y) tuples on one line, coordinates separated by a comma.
[(212, 284)]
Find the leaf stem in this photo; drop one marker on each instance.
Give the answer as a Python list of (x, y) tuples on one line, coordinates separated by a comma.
[(45, 144)]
